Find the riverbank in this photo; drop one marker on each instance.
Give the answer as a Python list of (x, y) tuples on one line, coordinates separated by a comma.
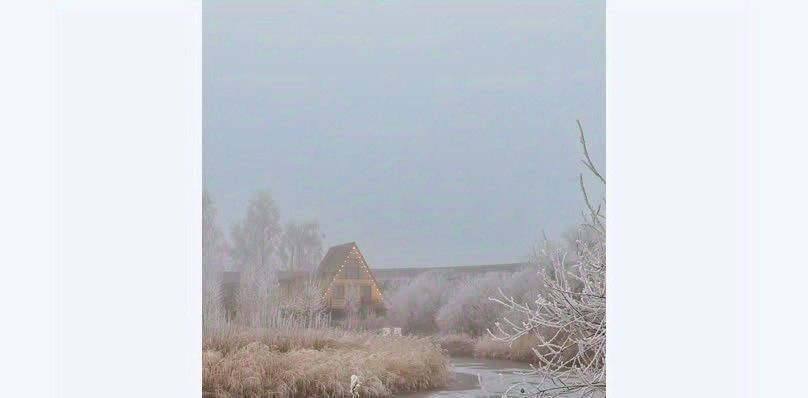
[(478, 378), (459, 345), (303, 363)]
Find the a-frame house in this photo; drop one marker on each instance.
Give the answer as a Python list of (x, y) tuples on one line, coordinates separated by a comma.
[(345, 273)]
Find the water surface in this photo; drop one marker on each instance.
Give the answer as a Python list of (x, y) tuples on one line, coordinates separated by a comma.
[(479, 378)]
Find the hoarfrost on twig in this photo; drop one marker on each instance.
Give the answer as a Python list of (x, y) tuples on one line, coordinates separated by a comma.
[(568, 316)]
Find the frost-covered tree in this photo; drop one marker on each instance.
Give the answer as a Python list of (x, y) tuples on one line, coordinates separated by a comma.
[(568, 313), (255, 241), (415, 305), (301, 246), (214, 243), (214, 260), (255, 238)]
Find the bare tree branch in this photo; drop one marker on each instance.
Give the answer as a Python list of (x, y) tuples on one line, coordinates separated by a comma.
[(568, 315), (587, 160)]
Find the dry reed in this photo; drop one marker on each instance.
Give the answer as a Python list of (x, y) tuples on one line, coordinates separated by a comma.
[(521, 349), (461, 345), (259, 363)]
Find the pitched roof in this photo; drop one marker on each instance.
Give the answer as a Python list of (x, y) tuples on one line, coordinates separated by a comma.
[(333, 259)]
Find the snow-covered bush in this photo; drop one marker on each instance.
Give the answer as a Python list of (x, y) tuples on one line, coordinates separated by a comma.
[(468, 310), (257, 298), (522, 285), (415, 305), (306, 303)]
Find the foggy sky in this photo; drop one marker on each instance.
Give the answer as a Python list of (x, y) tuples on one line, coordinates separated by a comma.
[(432, 133)]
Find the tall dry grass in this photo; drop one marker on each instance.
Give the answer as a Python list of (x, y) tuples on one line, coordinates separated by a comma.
[(521, 350), (258, 363), (463, 345), (456, 345)]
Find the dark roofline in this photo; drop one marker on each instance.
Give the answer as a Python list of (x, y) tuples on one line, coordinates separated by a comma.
[(382, 272), (334, 255)]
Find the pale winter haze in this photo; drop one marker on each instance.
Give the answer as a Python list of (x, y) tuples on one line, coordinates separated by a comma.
[(432, 133)]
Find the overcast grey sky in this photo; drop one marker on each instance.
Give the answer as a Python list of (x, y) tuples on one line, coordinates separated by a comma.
[(432, 133)]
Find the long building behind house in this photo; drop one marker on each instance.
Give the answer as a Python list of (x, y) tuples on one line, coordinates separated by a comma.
[(391, 278)]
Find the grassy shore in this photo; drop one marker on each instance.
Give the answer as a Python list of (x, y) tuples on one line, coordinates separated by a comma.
[(259, 363), (486, 347)]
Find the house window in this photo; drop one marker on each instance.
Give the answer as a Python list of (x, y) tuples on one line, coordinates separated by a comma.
[(339, 291), (352, 272), (365, 293)]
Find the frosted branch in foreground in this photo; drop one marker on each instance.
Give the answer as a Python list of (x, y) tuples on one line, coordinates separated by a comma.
[(568, 315)]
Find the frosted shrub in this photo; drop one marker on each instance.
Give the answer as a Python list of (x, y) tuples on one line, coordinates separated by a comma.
[(415, 305), (352, 307), (307, 303), (521, 286), (257, 299), (469, 311)]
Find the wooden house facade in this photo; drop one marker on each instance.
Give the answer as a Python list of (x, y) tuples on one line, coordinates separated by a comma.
[(345, 280), (345, 272)]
